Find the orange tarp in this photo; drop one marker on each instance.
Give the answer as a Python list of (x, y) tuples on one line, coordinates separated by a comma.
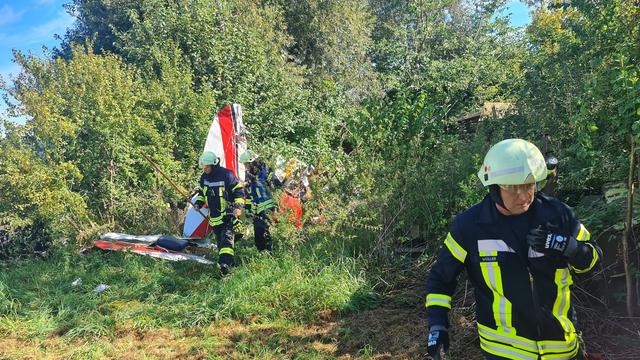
[(293, 206)]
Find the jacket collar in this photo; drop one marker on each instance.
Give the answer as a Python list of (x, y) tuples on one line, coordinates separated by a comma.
[(488, 212)]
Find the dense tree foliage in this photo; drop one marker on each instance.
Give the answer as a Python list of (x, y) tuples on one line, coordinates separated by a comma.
[(582, 86)]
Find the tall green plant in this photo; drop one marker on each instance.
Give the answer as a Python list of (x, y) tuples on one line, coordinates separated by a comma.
[(38, 206)]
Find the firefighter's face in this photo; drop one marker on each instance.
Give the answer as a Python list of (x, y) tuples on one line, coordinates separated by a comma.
[(207, 169), (253, 168), (518, 201)]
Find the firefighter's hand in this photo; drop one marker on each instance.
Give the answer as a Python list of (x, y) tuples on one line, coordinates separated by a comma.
[(237, 212), (546, 240), (438, 340)]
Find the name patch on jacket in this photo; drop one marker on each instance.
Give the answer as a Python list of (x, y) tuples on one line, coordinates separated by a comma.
[(213, 183), (488, 258), (488, 249)]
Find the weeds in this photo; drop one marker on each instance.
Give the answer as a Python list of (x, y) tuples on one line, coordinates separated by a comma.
[(37, 299)]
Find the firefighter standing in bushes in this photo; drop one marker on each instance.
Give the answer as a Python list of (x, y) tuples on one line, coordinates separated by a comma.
[(260, 203), (222, 193), (520, 249)]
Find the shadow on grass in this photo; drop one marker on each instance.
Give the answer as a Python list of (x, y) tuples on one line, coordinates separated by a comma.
[(394, 327)]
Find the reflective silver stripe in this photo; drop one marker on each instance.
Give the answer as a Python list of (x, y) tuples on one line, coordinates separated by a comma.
[(583, 234), (501, 306), (523, 343), (439, 300), (214, 183), (534, 254), (456, 250), (214, 221), (561, 305), (506, 351), (266, 204), (558, 349), (502, 301), (487, 245), (564, 355), (554, 349), (561, 346), (507, 171)]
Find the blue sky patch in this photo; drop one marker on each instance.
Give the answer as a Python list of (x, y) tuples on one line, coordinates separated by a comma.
[(28, 26)]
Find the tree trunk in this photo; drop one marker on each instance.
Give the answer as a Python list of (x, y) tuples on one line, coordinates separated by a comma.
[(626, 236), (112, 206), (635, 247)]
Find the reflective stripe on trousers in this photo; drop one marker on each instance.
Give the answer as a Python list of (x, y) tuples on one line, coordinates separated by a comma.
[(224, 235)]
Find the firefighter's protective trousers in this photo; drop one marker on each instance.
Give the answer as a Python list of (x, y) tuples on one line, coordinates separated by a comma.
[(225, 239)]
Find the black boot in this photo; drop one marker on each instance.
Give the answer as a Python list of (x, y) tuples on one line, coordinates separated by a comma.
[(224, 269)]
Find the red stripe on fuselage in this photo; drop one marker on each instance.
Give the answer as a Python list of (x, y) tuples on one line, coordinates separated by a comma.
[(202, 230), (120, 245), (228, 138)]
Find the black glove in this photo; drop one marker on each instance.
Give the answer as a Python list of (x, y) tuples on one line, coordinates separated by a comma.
[(438, 339), (547, 240)]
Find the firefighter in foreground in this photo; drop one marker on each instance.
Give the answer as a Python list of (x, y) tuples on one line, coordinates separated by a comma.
[(260, 203), (222, 193), (520, 249)]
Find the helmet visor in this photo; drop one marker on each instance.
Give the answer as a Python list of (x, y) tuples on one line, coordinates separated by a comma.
[(521, 188)]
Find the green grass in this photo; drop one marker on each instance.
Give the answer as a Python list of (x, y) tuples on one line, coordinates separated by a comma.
[(281, 291)]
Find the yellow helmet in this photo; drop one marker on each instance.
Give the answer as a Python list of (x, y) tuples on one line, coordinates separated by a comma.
[(513, 162), (248, 156), (208, 158)]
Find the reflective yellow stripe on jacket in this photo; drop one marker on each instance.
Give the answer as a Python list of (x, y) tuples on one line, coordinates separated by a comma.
[(223, 202), (204, 198), (506, 351), (511, 346), (502, 307), (594, 260), (562, 303), (584, 235), (456, 250), (558, 349), (439, 300), (267, 205), (504, 342), (215, 221), (238, 200)]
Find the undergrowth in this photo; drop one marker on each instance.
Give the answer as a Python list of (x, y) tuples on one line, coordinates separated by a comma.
[(37, 298)]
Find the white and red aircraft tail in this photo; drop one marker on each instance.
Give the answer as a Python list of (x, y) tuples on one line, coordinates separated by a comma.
[(227, 139)]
